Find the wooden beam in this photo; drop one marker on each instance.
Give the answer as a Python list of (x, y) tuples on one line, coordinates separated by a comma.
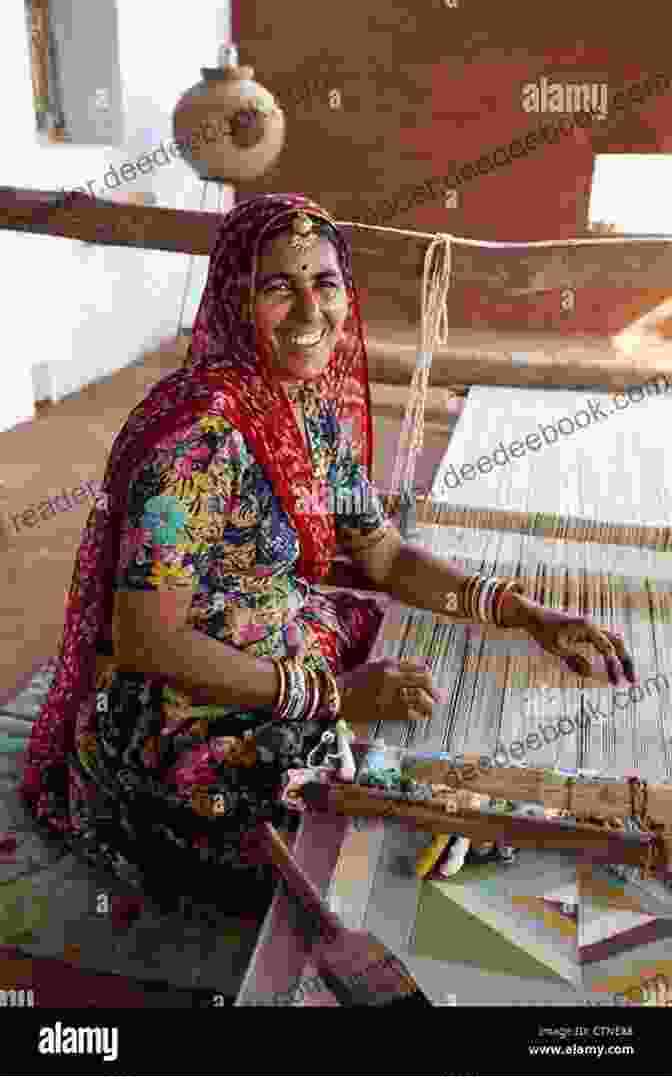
[(471, 357), (529, 360), (93, 220), (517, 269), (592, 841)]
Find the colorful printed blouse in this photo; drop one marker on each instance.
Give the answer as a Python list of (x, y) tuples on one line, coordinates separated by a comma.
[(202, 514)]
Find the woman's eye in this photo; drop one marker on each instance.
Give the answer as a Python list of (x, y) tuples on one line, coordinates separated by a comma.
[(286, 287)]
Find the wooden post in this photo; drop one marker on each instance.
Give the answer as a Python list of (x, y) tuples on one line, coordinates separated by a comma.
[(4, 522), (39, 42)]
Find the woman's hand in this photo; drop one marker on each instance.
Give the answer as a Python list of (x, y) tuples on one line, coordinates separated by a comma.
[(559, 633), (388, 690)]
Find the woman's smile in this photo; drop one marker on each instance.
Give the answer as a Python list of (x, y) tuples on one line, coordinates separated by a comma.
[(306, 341), (302, 354)]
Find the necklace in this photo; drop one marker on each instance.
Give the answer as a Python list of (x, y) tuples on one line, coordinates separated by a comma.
[(297, 395)]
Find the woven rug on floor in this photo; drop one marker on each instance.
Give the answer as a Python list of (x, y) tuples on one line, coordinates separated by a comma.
[(49, 900), (61, 984)]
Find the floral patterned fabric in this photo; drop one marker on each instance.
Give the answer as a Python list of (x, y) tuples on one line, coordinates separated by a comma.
[(209, 487)]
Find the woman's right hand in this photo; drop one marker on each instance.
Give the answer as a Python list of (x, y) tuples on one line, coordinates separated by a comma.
[(389, 691)]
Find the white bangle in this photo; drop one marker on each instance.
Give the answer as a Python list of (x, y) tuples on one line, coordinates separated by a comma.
[(491, 599), (486, 588), (480, 616)]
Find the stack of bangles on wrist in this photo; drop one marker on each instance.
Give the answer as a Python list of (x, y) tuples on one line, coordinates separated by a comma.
[(305, 694), (483, 598)]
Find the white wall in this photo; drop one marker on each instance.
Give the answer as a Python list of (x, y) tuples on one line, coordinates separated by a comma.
[(632, 191), (76, 312)]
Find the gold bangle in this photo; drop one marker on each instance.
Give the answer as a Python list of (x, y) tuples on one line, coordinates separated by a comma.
[(314, 694), (331, 697), (473, 597), (476, 597), (280, 701), (466, 596)]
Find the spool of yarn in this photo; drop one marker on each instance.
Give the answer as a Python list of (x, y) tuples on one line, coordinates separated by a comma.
[(430, 856)]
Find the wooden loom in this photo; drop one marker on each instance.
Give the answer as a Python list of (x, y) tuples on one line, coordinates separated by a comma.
[(520, 271), (618, 572)]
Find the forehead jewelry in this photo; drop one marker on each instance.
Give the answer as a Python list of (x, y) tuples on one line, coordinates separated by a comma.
[(304, 237)]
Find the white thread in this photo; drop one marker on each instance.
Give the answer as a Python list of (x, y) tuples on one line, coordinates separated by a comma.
[(506, 246), (433, 332)]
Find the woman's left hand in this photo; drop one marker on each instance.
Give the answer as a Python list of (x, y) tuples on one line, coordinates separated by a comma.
[(559, 633)]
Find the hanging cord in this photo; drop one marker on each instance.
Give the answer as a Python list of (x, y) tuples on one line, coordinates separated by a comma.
[(656, 855), (433, 331), (413, 427)]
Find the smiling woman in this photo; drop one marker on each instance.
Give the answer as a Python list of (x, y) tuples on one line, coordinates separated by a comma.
[(202, 658), (199, 592)]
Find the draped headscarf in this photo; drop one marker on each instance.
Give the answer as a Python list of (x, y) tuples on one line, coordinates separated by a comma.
[(224, 374)]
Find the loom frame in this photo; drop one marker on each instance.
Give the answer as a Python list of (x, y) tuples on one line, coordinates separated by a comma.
[(650, 849)]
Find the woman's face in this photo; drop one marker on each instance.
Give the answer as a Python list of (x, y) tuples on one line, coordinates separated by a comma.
[(301, 306)]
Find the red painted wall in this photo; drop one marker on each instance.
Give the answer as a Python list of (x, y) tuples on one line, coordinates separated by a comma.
[(424, 86)]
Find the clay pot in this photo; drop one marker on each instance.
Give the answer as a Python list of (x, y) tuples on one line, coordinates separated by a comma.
[(229, 127)]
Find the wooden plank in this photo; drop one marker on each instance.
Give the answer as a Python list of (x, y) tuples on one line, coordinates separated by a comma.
[(531, 360), (592, 841), (515, 268), (282, 951), (93, 220), (39, 34)]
